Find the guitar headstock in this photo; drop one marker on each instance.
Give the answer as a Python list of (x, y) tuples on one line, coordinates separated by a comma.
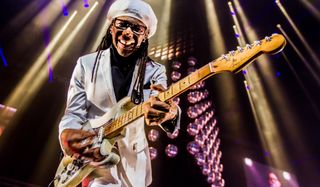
[(236, 60)]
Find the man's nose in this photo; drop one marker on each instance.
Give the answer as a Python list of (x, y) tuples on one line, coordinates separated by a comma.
[(127, 32)]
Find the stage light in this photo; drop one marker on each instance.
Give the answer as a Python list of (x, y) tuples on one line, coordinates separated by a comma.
[(191, 70), (201, 159), (216, 42), (206, 169), (306, 63), (266, 122), (153, 153), (286, 175), (199, 139), (193, 147), (313, 9), (248, 162), (192, 61), (175, 75), (211, 177), (171, 150), (65, 11), (64, 8), (85, 3), (299, 34), (19, 98), (193, 129), (3, 58), (153, 135)]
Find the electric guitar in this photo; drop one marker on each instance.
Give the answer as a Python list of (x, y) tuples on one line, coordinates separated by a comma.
[(72, 171)]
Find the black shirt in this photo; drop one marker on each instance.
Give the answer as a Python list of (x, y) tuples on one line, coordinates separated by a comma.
[(122, 71)]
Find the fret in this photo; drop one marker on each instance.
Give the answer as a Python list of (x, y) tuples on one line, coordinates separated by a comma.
[(175, 88), (120, 121), (204, 71), (140, 110), (111, 127), (167, 94), (161, 96), (107, 129), (130, 115), (134, 112), (184, 83), (125, 118), (194, 77)]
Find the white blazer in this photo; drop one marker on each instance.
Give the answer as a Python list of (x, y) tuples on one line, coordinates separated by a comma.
[(89, 100)]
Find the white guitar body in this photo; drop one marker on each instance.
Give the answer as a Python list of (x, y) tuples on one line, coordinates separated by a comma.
[(72, 171)]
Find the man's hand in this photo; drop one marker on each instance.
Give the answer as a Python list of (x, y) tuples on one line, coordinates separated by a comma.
[(156, 111), (77, 143)]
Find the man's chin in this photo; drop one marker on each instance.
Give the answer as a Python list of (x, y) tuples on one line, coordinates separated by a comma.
[(124, 53)]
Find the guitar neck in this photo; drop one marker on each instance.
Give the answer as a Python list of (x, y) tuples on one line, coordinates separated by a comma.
[(188, 81)]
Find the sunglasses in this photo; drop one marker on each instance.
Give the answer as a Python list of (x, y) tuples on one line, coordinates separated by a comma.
[(124, 24)]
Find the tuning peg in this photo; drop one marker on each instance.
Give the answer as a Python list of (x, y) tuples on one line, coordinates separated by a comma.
[(225, 57), (240, 49), (267, 38), (257, 42), (232, 53), (248, 46)]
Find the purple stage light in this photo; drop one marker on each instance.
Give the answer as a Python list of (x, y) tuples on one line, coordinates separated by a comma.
[(175, 75), (193, 147), (85, 3), (176, 65), (248, 162), (193, 129), (201, 159), (191, 70), (64, 9), (211, 177), (192, 61), (3, 58), (153, 153), (171, 150), (153, 135), (206, 169), (199, 139)]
